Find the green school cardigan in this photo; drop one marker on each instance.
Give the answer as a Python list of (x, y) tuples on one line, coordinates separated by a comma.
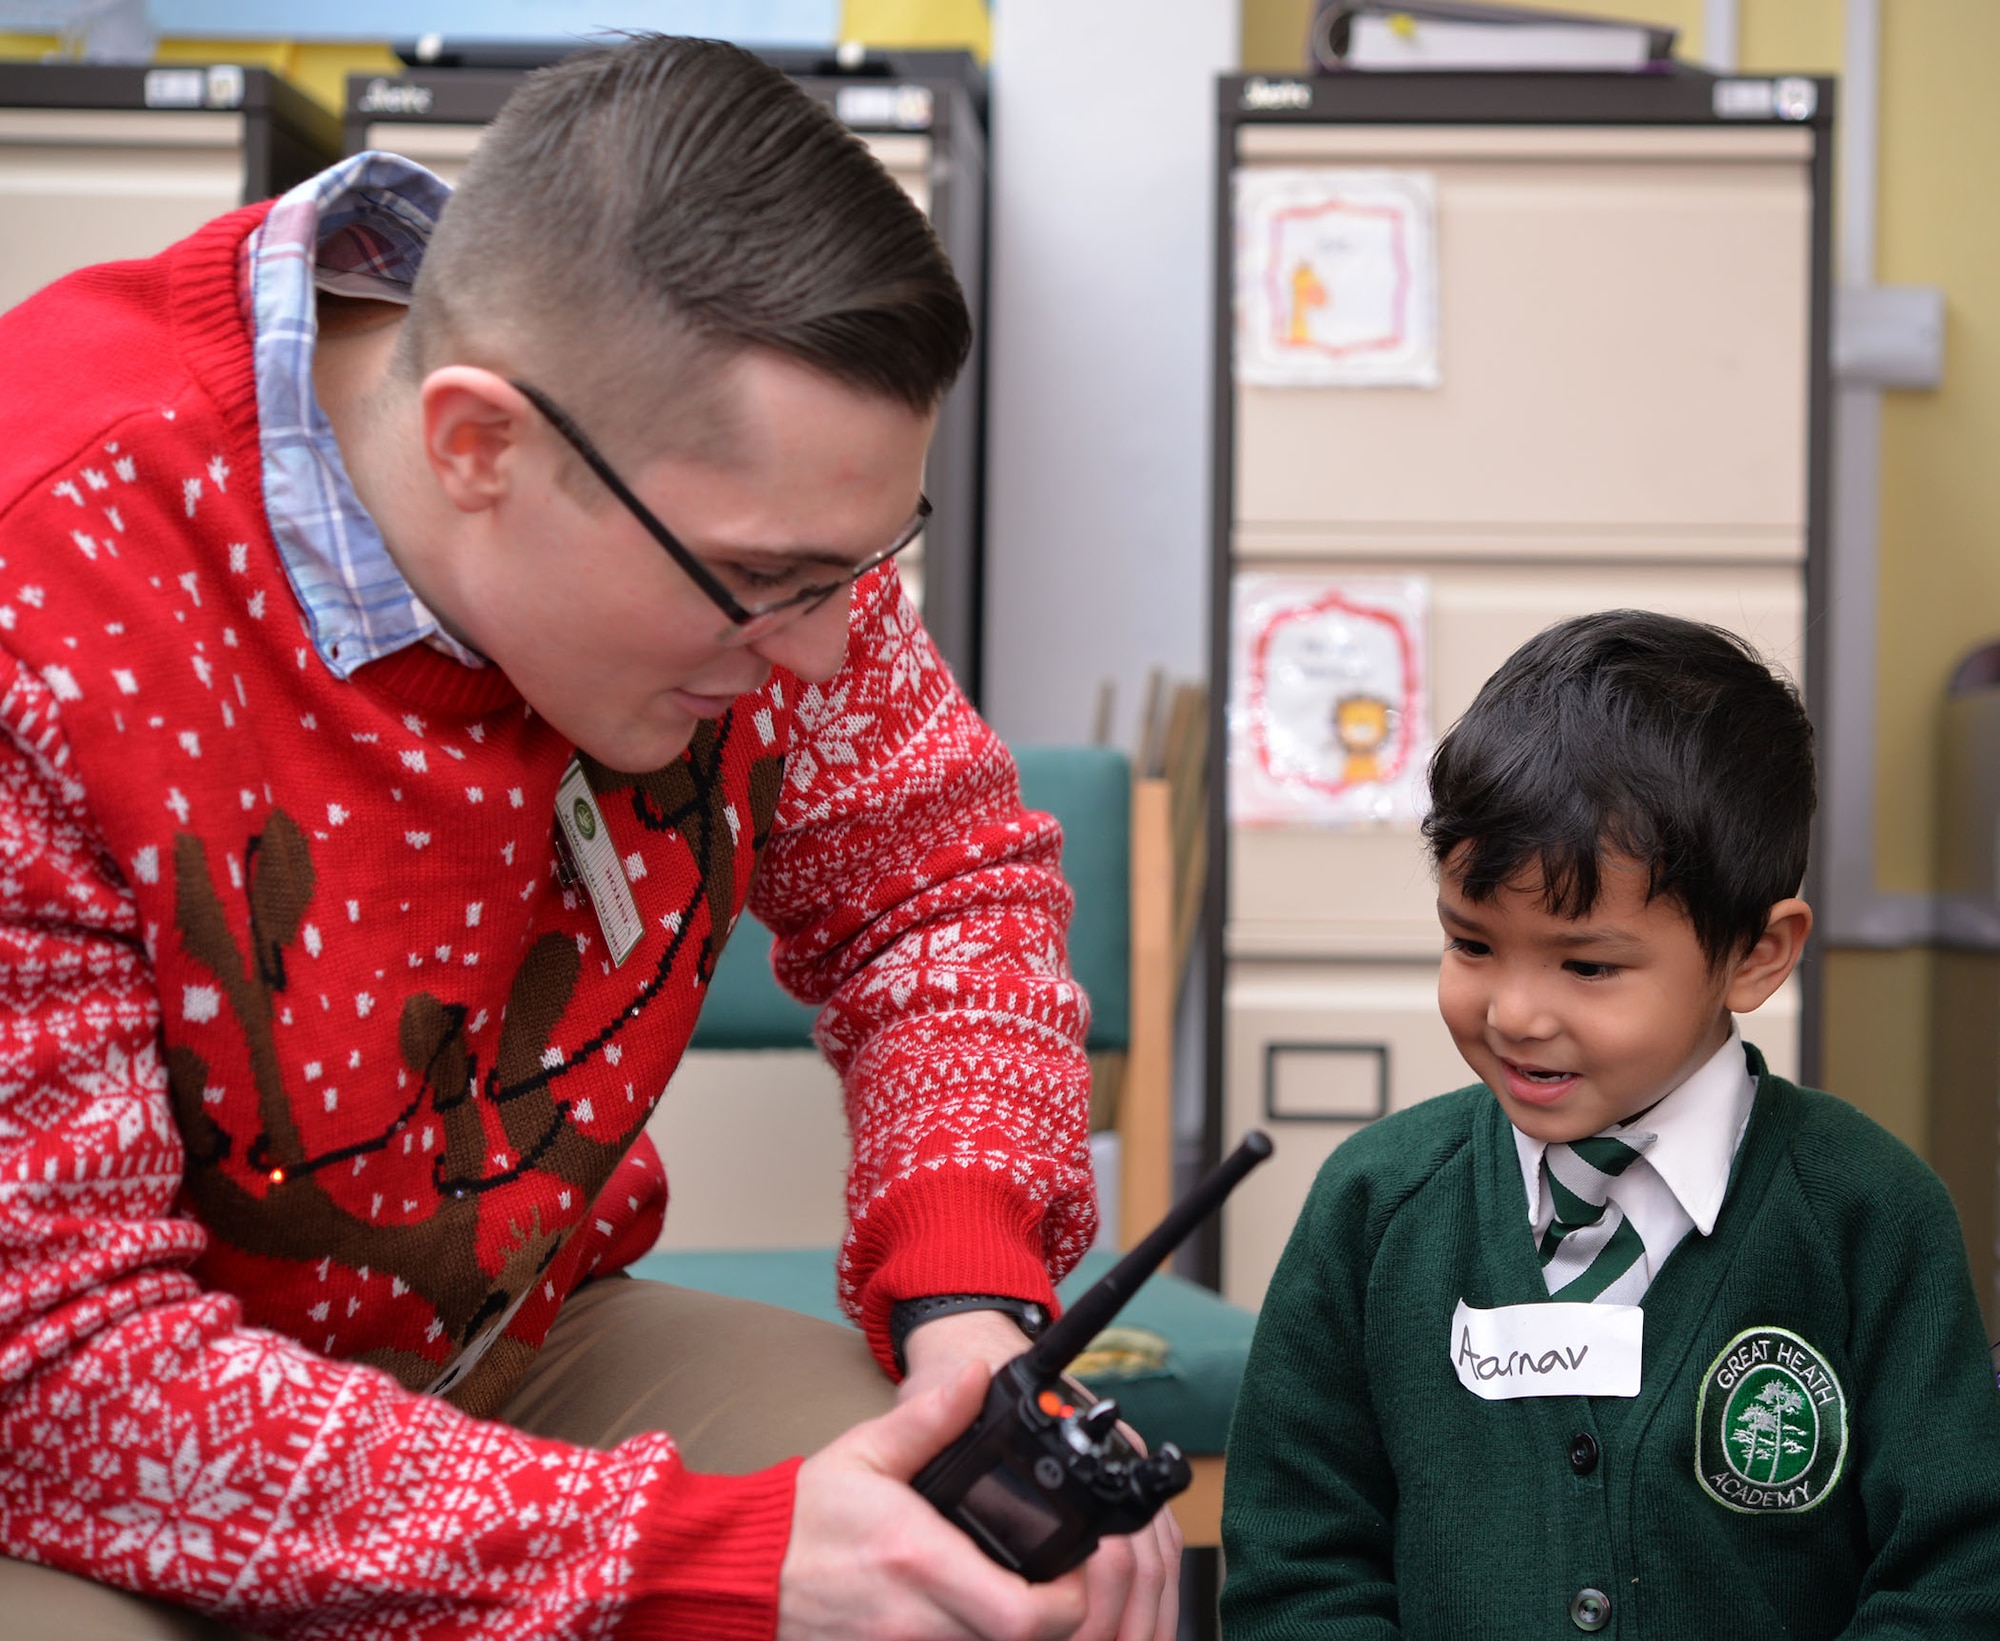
[(1814, 1450)]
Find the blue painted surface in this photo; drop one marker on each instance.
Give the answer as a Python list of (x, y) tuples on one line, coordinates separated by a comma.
[(752, 22)]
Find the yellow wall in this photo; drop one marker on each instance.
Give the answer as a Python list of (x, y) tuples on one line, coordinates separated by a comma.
[(1274, 33), (1803, 36), (934, 24), (1877, 1039), (1940, 225), (1939, 593)]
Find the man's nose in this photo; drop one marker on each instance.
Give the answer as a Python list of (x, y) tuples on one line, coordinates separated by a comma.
[(813, 646)]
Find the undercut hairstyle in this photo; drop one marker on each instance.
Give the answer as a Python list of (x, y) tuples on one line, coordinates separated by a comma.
[(642, 212), (1664, 741)]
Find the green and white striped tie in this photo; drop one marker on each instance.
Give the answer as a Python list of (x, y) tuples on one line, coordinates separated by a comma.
[(1591, 1253)]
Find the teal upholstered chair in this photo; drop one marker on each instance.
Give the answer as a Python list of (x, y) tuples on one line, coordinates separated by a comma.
[(1175, 1356), (1088, 789)]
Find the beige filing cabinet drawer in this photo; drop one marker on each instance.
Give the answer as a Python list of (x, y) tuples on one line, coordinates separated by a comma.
[(1623, 333), (79, 186), (443, 149), (1316, 1050), (1313, 892), (756, 1149)]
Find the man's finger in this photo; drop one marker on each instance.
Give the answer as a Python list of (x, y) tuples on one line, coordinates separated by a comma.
[(1149, 1578), (1153, 1610), (1167, 1531), (902, 1441), (1110, 1577), (959, 1579), (1031, 1612)]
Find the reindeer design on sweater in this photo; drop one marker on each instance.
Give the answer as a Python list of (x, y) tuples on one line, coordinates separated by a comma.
[(439, 1256)]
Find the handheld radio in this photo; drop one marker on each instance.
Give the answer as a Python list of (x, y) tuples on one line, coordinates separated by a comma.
[(1043, 1474)]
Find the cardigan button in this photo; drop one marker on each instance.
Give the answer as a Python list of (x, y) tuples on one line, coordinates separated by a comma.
[(1583, 1452), (1590, 1610)]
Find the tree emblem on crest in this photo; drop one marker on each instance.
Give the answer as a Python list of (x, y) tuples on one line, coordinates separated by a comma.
[(1772, 1429)]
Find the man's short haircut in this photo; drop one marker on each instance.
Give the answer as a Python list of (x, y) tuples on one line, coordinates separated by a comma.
[(642, 211), (1627, 733)]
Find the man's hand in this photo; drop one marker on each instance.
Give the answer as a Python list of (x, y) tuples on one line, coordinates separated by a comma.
[(1131, 1584), (871, 1560)]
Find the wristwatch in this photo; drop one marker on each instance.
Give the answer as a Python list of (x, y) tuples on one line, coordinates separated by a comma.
[(1031, 1318)]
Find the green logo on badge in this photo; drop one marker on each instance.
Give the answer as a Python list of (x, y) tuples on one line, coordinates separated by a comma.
[(1770, 1424), (586, 819)]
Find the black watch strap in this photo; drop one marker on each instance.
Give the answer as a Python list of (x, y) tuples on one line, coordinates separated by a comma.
[(1031, 1318)]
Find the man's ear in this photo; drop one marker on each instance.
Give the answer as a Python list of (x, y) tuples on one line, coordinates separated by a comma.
[(1764, 967), (474, 423)]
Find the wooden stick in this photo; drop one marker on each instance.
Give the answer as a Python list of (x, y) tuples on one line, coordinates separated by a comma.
[(1145, 1106)]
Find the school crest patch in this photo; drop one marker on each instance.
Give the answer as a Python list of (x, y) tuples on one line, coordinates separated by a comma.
[(1770, 1424)]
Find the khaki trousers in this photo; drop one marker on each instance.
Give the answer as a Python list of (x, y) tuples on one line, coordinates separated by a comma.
[(741, 1386)]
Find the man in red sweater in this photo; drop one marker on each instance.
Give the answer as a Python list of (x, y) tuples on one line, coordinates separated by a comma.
[(384, 760)]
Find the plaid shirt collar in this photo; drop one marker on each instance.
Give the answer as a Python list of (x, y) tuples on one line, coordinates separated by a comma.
[(357, 229)]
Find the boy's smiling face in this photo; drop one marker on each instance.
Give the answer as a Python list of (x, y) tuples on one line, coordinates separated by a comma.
[(1580, 1023)]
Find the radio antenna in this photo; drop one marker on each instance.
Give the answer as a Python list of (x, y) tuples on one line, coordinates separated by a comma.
[(1083, 1321)]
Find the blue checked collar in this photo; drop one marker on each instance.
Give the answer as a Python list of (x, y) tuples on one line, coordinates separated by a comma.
[(358, 229)]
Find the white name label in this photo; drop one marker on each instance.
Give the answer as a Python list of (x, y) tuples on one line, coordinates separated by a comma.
[(1547, 1350), (597, 863)]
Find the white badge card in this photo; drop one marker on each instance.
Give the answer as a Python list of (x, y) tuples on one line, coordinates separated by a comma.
[(597, 862), (1556, 1349)]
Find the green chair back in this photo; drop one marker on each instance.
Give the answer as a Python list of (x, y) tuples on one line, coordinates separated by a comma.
[(1089, 791), (746, 1007)]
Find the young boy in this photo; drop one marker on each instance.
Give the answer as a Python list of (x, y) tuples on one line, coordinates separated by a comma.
[(1637, 1338)]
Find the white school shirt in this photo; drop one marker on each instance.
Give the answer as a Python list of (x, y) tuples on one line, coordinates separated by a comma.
[(1678, 1185)]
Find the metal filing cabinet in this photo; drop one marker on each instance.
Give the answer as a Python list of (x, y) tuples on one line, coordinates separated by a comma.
[(99, 163), (922, 113), (1629, 411)]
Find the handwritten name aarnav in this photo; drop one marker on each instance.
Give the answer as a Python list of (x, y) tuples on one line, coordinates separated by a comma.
[(1549, 1349), (1568, 1358)]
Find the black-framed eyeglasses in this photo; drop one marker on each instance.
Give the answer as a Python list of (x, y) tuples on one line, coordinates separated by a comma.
[(739, 613)]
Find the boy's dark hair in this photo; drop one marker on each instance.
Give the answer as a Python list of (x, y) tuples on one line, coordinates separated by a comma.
[(643, 210), (1667, 741)]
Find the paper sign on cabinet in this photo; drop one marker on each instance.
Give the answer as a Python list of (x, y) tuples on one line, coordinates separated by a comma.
[(1336, 278), (1330, 716)]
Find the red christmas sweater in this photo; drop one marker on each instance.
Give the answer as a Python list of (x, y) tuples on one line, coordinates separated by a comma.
[(318, 1089)]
